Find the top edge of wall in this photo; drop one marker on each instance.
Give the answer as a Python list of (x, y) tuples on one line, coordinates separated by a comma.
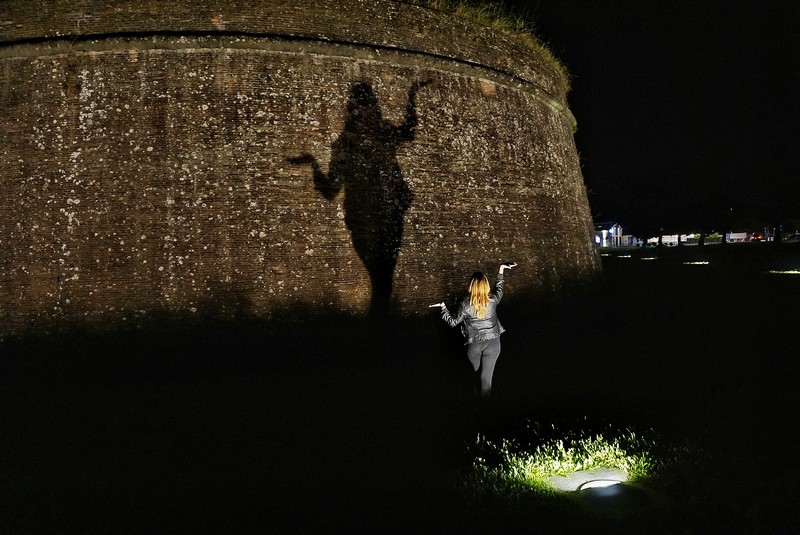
[(384, 24)]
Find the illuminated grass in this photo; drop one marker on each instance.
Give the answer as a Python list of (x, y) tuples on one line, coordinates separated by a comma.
[(695, 263), (509, 468), (786, 272)]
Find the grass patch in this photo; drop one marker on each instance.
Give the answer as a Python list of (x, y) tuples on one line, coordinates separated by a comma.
[(497, 16), (521, 465)]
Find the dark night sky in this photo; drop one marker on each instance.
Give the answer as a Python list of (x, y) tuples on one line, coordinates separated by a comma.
[(686, 109)]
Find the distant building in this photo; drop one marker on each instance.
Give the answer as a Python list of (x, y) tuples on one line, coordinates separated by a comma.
[(672, 240), (736, 237), (611, 235)]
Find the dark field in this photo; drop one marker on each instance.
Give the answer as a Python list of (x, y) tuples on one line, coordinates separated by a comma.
[(342, 424)]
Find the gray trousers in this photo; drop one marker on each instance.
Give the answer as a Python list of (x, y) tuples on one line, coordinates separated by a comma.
[(483, 357)]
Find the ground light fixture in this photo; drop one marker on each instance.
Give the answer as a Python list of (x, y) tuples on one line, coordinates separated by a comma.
[(588, 479), (612, 496), (599, 484), (606, 488)]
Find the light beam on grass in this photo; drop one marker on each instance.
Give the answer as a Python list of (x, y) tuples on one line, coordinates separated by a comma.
[(786, 272), (695, 263), (563, 465)]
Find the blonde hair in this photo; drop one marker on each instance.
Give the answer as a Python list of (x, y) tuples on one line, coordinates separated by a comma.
[(479, 293)]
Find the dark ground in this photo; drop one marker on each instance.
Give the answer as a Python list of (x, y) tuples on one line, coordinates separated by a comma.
[(343, 425)]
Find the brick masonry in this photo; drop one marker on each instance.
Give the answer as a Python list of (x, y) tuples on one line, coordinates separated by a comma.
[(232, 158)]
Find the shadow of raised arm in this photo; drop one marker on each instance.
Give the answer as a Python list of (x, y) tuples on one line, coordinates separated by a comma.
[(406, 130), (327, 184)]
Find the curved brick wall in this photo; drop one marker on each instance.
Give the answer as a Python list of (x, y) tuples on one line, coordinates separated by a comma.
[(248, 156)]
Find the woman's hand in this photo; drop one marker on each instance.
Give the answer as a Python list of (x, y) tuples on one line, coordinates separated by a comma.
[(507, 265)]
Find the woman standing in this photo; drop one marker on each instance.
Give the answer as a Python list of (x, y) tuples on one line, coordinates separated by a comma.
[(477, 315)]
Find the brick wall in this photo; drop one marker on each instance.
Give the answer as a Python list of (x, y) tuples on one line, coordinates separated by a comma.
[(249, 157)]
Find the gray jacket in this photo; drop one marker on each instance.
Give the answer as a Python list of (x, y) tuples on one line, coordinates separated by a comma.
[(477, 329)]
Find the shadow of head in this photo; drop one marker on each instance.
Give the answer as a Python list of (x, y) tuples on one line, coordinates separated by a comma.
[(362, 106)]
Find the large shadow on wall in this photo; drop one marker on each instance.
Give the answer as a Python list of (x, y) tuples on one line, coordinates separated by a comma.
[(376, 197)]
